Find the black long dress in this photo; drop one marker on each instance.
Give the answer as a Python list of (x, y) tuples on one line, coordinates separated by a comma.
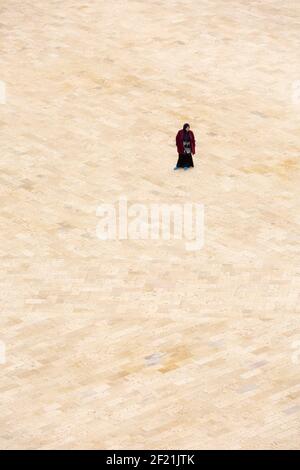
[(185, 159)]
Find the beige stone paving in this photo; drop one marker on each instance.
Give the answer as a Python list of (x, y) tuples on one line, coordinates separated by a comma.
[(141, 343)]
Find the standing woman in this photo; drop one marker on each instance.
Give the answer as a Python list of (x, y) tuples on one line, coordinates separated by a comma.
[(186, 145)]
